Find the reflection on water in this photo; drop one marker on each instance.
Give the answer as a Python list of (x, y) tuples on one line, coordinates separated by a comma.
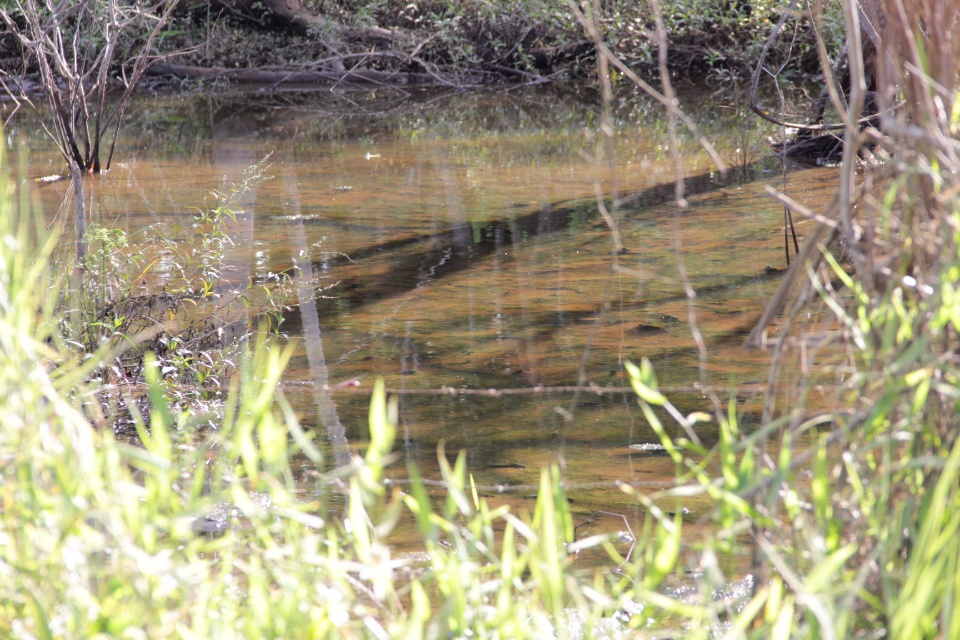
[(454, 241)]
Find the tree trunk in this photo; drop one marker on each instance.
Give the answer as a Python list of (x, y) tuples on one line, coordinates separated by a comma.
[(80, 217), (261, 76)]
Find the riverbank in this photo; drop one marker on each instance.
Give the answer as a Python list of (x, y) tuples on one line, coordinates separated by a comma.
[(460, 44)]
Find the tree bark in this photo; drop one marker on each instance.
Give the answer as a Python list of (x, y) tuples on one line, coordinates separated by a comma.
[(80, 216)]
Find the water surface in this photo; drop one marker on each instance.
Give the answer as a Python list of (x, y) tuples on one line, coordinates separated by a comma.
[(454, 241)]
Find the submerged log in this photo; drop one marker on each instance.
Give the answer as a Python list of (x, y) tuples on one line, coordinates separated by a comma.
[(825, 149), (270, 77)]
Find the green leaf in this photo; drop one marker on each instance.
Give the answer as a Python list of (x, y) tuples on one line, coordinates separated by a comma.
[(824, 574), (644, 382)]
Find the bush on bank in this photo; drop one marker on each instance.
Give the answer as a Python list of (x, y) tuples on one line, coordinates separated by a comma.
[(474, 41), (484, 41)]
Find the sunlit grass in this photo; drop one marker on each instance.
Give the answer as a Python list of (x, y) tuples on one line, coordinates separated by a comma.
[(852, 515), (180, 536)]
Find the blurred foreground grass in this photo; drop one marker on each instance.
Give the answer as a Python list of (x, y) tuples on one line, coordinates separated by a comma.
[(853, 516)]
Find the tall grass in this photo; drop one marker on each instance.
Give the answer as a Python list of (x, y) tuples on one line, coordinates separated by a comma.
[(855, 511), (853, 516), (183, 535)]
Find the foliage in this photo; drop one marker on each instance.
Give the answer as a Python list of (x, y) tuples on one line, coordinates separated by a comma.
[(472, 35), (167, 292), (479, 41), (476, 40), (722, 38), (205, 537), (78, 49)]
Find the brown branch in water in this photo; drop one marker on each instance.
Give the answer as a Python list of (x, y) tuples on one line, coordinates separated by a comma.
[(263, 76), (809, 254), (566, 486), (354, 385)]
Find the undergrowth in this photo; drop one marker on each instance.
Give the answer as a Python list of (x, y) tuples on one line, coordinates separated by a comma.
[(478, 41), (169, 292), (853, 514)]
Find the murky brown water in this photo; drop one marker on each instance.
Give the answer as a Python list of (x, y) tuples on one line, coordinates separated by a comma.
[(461, 242)]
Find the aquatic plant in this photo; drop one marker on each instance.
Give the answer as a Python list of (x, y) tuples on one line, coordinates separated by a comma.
[(169, 292), (79, 51)]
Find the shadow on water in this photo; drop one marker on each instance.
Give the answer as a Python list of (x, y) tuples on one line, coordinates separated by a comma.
[(417, 259), (459, 248)]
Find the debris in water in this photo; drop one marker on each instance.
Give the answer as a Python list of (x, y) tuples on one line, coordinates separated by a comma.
[(648, 447)]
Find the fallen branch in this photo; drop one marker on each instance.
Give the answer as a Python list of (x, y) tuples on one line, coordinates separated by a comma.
[(264, 76), (354, 386)]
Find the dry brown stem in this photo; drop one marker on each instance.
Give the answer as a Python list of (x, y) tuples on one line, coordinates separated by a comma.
[(915, 70)]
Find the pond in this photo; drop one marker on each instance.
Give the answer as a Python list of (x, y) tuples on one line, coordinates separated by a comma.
[(457, 246)]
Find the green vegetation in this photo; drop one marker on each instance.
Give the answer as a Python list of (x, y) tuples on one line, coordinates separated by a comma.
[(169, 293), (473, 41), (853, 515), (478, 41), (200, 534)]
